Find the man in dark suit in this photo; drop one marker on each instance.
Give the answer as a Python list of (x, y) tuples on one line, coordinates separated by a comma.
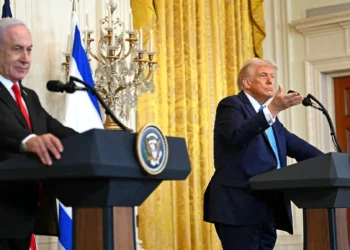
[(25, 127), (250, 140)]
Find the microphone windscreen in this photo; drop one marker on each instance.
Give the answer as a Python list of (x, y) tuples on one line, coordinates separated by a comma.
[(306, 102), (55, 86), (292, 91)]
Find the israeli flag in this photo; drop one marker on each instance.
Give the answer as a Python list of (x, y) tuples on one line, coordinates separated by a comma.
[(81, 113), (82, 110)]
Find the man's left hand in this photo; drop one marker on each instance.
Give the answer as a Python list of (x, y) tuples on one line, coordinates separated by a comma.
[(44, 144)]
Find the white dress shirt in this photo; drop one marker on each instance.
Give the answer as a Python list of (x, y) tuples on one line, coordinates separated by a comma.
[(269, 118), (8, 85)]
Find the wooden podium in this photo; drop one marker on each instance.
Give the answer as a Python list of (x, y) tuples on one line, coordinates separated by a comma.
[(319, 186), (98, 171), (89, 224)]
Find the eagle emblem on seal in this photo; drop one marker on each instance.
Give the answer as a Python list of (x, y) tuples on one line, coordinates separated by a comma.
[(153, 149)]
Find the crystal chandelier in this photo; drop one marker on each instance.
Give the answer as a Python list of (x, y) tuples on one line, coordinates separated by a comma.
[(125, 70)]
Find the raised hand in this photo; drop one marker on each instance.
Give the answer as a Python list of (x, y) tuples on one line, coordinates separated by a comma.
[(282, 101)]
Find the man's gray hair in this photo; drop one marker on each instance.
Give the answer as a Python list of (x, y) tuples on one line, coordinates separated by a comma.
[(249, 68), (6, 23)]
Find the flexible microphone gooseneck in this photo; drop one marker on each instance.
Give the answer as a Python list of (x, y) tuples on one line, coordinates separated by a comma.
[(307, 101), (71, 87), (330, 123)]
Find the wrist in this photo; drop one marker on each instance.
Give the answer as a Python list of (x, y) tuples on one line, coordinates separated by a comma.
[(23, 147), (274, 112)]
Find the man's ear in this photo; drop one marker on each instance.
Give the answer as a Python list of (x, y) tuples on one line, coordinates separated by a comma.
[(246, 83)]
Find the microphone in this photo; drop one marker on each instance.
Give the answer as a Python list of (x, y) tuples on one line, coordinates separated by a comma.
[(70, 87), (292, 91), (58, 86), (306, 101)]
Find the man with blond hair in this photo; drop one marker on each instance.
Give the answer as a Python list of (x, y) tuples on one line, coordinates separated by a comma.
[(250, 140)]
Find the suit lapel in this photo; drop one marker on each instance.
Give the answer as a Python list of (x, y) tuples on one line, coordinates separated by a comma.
[(247, 103), (251, 110), (8, 100)]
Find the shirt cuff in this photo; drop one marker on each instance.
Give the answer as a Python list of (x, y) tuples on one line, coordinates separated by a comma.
[(23, 147), (269, 118)]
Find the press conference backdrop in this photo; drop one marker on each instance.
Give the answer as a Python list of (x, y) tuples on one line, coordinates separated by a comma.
[(49, 21)]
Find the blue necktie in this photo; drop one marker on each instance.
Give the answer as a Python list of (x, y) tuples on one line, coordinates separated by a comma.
[(272, 140)]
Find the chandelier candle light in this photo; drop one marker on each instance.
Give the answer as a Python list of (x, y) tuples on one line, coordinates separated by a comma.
[(125, 69)]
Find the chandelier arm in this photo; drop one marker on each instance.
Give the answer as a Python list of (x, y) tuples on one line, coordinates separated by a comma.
[(100, 43), (95, 57), (100, 48), (149, 75), (104, 105), (128, 53), (150, 71), (103, 91), (140, 68), (103, 60), (139, 82), (119, 89), (121, 51)]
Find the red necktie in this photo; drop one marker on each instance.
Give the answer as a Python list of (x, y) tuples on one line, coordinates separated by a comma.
[(23, 109), (20, 104)]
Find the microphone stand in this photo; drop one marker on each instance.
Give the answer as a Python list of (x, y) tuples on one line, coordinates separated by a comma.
[(329, 120), (331, 211), (108, 111)]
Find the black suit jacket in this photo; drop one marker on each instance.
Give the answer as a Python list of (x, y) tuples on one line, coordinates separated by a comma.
[(241, 151), (19, 211)]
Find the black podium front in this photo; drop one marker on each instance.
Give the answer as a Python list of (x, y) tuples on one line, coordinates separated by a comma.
[(99, 168), (320, 182)]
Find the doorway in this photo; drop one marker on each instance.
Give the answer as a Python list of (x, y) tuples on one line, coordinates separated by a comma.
[(342, 119)]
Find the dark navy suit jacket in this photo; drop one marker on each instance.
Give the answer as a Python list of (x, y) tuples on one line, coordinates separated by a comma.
[(242, 150), (19, 211)]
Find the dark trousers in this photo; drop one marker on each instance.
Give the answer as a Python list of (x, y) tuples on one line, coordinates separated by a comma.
[(15, 244), (256, 237)]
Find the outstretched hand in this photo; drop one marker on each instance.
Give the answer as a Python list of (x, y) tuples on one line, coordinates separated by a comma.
[(283, 101), (44, 144)]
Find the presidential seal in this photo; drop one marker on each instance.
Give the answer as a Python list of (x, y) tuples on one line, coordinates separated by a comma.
[(152, 149)]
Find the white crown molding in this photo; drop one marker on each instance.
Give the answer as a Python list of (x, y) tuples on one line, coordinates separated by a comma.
[(329, 65), (322, 23), (345, 25)]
